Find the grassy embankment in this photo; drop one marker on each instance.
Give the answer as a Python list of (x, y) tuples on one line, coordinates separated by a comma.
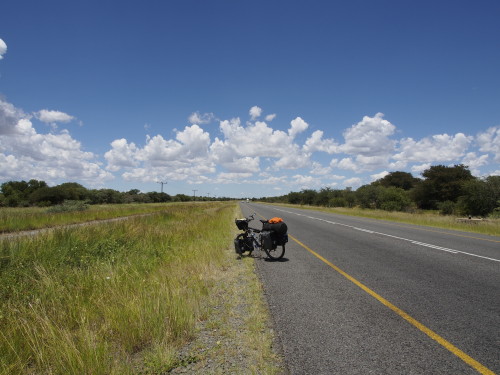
[(17, 219), (431, 219), (121, 297)]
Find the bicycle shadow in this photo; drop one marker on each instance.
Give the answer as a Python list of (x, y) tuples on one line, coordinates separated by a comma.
[(261, 257)]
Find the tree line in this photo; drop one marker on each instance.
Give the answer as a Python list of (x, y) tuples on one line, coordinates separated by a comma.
[(38, 193), (449, 189)]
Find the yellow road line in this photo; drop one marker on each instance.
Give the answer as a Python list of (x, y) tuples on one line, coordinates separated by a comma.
[(433, 335)]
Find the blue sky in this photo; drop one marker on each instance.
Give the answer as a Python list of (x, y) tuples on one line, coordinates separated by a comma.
[(246, 98)]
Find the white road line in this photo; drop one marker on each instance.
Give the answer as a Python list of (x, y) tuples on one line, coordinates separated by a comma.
[(436, 247)]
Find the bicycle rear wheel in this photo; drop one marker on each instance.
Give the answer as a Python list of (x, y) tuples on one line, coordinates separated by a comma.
[(277, 253)]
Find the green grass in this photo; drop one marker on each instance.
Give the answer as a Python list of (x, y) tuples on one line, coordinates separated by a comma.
[(17, 219), (431, 219), (117, 298)]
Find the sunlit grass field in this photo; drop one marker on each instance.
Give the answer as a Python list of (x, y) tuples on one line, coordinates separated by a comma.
[(114, 298), (28, 218), (432, 219)]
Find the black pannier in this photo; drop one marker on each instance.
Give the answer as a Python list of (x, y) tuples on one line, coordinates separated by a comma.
[(243, 244), (238, 246), (271, 240), (266, 239), (280, 239), (279, 228)]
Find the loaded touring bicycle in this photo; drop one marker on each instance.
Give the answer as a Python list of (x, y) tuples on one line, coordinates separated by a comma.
[(272, 238)]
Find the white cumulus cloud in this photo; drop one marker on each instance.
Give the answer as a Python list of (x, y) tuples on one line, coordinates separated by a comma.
[(3, 48), (369, 137), (316, 143), (438, 148), (182, 158), (255, 112), (199, 119), (489, 141), (271, 117), (26, 154), (297, 126), (49, 117)]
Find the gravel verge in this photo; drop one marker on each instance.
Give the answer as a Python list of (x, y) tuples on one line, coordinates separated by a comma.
[(237, 335)]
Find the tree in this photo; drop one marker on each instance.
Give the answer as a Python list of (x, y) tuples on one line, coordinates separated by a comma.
[(46, 195), (441, 184), (403, 180), (394, 199), (308, 196), (323, 197), (480, 197), (368, 196)]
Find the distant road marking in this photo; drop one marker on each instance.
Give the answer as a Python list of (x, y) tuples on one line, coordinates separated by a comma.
[(417, 228), (433, 335), (436, 247)]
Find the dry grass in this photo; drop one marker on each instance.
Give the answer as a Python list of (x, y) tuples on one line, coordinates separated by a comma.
[(118, 298)]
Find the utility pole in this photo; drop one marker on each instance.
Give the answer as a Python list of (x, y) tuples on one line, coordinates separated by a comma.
[(194, 194), (162, 183)]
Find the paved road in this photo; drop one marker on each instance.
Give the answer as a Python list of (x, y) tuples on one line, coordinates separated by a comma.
[(361, 296)]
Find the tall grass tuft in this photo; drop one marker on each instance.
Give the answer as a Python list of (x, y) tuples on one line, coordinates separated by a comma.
[(103, 299)]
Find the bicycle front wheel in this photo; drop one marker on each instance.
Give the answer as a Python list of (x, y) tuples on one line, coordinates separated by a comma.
[(276, 254)]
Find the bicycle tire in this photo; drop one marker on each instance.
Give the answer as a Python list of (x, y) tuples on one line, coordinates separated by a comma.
[(276, 254)]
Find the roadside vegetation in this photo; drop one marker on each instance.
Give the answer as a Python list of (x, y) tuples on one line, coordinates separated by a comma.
[(70, 212), (426, 218), (39, 194), (446, 191), (126, 297)]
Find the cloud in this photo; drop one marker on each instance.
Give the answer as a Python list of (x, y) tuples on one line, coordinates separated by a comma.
[(199, 119), (271, 117), (318, 169), (369, 137), (474, 162), (353, 182), (26, 154), (255, 112), (3, 48), (489, 141), (378, 176), (420, 168), (121, 155), (316, 143), (438, 148), (297, 126), (259, 140), (369, 142), (185, 157), (50, 117), (306, 182), (9, 118)]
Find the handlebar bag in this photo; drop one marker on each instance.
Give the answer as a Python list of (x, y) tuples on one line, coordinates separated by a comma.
[(242, 224)]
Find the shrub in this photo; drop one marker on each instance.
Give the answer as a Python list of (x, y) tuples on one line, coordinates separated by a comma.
[(69, 206), (447, 207)]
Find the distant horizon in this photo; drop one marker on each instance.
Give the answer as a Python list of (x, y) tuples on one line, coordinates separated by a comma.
[(255, 100)]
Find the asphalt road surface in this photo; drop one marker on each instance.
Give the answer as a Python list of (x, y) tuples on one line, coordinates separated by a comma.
[(363, 296)]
